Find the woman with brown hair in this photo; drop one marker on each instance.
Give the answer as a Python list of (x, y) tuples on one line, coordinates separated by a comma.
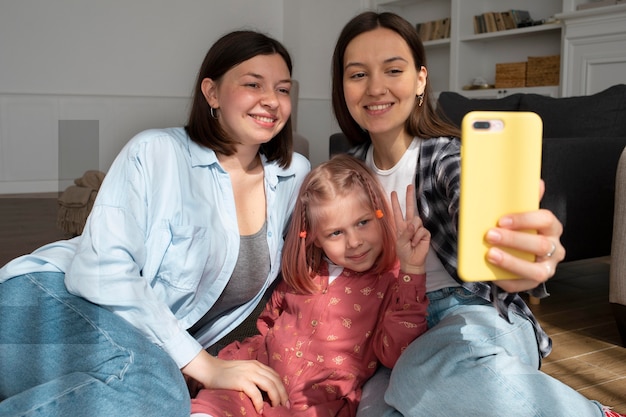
[(482, 352), (183, 240)]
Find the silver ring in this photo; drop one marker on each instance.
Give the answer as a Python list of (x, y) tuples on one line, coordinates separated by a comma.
[(549, 254)]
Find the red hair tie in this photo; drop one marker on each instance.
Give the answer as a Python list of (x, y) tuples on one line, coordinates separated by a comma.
[(379, 214), (303, 234)]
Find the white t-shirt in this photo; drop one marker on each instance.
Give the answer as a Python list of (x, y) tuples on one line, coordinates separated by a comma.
[(397, 179)]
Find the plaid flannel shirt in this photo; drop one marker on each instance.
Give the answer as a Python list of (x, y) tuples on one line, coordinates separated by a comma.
[(437, 189)]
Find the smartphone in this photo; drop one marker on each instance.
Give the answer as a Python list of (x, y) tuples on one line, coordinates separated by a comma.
[(500, 174)]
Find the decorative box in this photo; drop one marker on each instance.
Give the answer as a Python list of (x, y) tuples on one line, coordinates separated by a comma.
[(543, 70), (512, 74)]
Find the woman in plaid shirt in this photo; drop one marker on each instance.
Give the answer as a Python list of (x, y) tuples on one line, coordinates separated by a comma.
[(482, 352)]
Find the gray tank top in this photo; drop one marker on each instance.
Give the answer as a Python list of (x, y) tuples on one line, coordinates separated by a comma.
[(251, 270)]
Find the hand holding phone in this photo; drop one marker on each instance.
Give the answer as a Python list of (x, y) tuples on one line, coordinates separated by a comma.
[(500, 174)]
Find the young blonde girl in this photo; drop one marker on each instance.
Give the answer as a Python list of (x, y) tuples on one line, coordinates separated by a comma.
[(352, 296)]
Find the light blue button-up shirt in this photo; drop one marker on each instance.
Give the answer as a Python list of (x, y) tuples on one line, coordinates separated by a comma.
[(162, 240)]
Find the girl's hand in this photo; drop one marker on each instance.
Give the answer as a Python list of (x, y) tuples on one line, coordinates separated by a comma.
[(546, 245), (413, 238), (250, 377)]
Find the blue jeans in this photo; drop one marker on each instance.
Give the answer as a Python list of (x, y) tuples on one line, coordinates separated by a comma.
[(61, 355), (471, 362)]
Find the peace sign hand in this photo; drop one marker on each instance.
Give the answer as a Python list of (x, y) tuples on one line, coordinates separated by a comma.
[(413, 239)]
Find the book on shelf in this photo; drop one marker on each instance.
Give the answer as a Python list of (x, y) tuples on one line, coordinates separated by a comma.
[(434, 29), (521, 18), (479, 24), (423, 30), (497, 21), (507, 18), (445, 28), (490, 21)]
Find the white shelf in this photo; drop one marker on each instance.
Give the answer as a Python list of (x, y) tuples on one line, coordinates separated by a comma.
[(397, 3), (552, 91), (501, 34), (437, 42)]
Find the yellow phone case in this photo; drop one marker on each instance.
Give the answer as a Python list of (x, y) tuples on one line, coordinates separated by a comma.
[(500, 173)]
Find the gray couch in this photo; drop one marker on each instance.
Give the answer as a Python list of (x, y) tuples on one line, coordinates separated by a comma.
[(583, 138)]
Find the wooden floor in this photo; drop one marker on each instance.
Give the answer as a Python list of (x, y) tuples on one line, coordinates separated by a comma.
[(26, 224), (586, 355)]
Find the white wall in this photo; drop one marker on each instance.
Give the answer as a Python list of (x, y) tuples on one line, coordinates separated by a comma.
[(311, 29), (118, 47), (130, 64)]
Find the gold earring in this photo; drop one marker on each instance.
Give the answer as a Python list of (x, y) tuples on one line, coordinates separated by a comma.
[(421, 99)]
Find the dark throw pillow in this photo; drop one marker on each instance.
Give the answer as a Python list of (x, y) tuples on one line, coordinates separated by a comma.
[(455, 106), (598, 115)]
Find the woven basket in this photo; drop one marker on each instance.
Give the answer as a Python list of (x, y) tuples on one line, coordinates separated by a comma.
[(512, 74), (543, 70)]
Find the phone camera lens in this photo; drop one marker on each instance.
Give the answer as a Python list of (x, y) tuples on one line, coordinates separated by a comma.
[(481, 125)]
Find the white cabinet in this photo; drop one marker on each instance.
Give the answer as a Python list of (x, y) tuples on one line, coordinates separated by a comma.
[(594, 50), (455, 62)]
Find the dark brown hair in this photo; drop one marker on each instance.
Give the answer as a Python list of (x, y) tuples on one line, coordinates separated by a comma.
[(424, 121), (229, 51), (302, 259)]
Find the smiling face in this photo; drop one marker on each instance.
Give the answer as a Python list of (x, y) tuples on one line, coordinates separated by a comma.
[(349, 232), (381, 81), (252, 99)]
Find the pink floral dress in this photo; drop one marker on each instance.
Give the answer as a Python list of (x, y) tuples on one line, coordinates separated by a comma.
[(326, 345)]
